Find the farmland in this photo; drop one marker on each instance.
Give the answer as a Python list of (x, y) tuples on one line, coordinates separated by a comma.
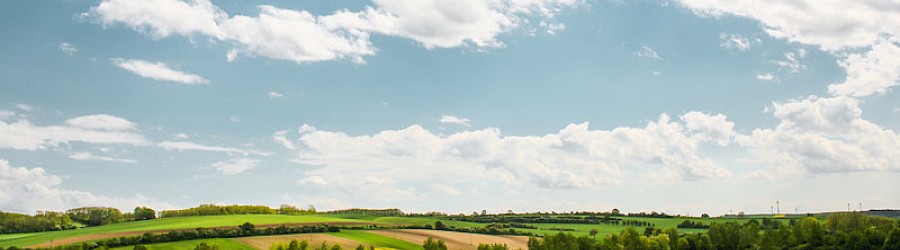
[(376, 238)]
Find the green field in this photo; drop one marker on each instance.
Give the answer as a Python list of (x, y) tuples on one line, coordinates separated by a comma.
[(234, 220), (376, 240), (190, 244), (166, 224)]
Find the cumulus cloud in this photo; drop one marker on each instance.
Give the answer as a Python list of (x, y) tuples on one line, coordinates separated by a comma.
[(67, 48), (709, 128), (575, 157), (824, 135), (275, 95), (88, 156), (190, 146), (235, 166), (831, 24), (30, 189), (455, 120), (158, 71), (300, 36), (871, 73), (97, 129), (162, 18)]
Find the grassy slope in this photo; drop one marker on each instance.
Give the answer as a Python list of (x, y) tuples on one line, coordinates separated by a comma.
[(376, 240), (190, 244), (168, 224)]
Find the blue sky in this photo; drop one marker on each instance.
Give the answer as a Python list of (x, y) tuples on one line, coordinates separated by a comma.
[(678, 106)]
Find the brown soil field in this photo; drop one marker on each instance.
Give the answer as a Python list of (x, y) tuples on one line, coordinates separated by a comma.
[(455, 240), (315, 240), (77, 239)]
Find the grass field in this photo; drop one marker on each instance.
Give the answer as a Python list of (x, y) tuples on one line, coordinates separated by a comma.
[(167, 224), (376, 240), (234, 220), (190, 244)]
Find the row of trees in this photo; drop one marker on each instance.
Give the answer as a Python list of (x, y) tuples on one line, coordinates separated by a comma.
[(72, 218), (563, 219), (42, 221), (837, 231), (369, 212), (212, 209)]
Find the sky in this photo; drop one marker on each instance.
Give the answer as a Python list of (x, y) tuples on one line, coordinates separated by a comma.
[(683, 107)]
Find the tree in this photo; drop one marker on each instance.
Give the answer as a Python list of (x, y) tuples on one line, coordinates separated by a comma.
[(431, 244), (438, 225), (144, 213), (247, 226), (704, 216), (140, 247), (594, 233), (615, 211)]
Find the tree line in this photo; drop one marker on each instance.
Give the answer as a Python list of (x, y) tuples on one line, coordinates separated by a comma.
[(590, 219), (836, 231), (304, 245), (71, 219)]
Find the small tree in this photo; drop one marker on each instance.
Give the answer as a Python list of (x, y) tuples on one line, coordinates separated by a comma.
[(594, 233), (438, 225), (705, 216), (247, 226), (615, 211), (431, 244)]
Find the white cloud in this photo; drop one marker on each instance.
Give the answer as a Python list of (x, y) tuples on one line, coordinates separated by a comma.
[(68, 48), (275, 95), (181, 136), (234, 119), (299, 36), (646, 52), (871, 73), (768, 76), (101, 122), (824, 135), (455, 120), (30, 189), (22, 134), (183, 146), (88, 156), (235, 166), (162, 18), (735, 42), (656, 73), (158, 71), (831, 24), (575, 157), (709, 128)]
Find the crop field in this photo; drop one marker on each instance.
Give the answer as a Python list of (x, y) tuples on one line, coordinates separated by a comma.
[(314, 240), (190, 244), (455, 240), (378, 240)]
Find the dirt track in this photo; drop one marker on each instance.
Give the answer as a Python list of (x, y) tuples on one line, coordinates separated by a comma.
[(77, 239), (455, 240)]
